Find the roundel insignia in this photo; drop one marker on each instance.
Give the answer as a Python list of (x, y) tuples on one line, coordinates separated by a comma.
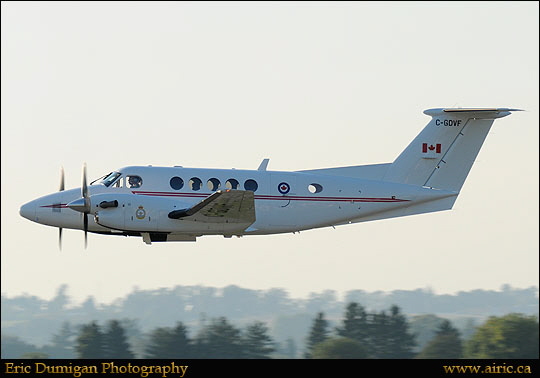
[(140, 213), (284, 188)]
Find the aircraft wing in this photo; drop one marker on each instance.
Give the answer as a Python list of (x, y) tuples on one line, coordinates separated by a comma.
[(223, 206)]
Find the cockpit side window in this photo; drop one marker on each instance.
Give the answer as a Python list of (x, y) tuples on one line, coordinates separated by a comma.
[(134, 182), (110, 178), (119, 183)]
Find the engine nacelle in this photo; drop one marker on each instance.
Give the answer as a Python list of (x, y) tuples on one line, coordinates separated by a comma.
[(130, 212)]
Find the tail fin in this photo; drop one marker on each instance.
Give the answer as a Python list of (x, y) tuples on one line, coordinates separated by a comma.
[(442, 155)]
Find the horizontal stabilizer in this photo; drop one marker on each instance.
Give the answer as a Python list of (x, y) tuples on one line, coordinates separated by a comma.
[(476, 113)]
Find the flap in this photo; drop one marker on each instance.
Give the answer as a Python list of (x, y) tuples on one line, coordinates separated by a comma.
[(223, 206)]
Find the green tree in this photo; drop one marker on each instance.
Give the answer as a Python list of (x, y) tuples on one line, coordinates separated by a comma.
[(339, 348), (115, 341), (445, 344), (379, 335), (400, 342), (166, 342), (257, 343), (159, 343), (355, 323), (385, 335), (509, 336), (135, 337), (319, 332), (89, 343), (181, 342), (219, 339), (424, 328), (63, 342)]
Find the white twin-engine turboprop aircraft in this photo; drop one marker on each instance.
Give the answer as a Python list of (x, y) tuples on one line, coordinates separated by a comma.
[(180, 204)]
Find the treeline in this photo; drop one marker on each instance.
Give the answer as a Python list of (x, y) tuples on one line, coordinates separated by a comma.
[(359, 334), (33, 318), (387, 335), (372, 335), (219, 339)]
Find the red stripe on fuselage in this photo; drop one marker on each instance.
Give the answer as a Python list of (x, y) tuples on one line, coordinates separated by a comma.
[(259, 197), (275, 198)]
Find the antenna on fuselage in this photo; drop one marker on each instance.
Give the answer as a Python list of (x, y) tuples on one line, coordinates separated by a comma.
[(263, 165)]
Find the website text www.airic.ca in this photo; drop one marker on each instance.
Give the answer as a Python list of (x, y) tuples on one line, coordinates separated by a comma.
[(494, 368)]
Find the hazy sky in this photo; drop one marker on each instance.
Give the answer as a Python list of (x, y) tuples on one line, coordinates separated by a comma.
[(306, 85)]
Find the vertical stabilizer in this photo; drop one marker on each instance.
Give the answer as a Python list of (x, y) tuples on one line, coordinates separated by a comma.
[(442, 155)]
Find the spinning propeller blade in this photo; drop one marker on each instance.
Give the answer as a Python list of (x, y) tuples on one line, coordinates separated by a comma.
[(61, 179), (83, 205), (84, 192), (61, 189)]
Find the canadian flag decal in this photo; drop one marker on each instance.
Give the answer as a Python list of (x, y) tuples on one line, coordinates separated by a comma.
[(426, 147)]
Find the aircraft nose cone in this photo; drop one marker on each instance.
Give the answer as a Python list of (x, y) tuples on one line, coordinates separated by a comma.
[(28, 211)]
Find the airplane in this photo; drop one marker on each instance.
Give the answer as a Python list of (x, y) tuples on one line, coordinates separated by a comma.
[(165, 204)]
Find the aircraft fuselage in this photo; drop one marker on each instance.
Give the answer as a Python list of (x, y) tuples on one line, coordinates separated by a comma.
[(284, 201)]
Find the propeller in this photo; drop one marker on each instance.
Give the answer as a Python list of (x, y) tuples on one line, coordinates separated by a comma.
[(83, 205), (61, 179), (84, 192), (61, 189)]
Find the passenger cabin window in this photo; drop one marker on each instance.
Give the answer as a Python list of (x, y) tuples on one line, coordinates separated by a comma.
[(134, 182), (315, 188), (213, 184), (195, 183), (251, 185), (232, 184), (177, 183)]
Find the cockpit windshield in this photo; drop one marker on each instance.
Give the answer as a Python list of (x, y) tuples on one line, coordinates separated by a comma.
[(108, 179)]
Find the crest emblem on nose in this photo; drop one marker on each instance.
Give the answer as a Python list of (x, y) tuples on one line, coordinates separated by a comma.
[(140, 213)]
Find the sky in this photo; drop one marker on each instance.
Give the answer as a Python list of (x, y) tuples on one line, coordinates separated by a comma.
[(307, 85)]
